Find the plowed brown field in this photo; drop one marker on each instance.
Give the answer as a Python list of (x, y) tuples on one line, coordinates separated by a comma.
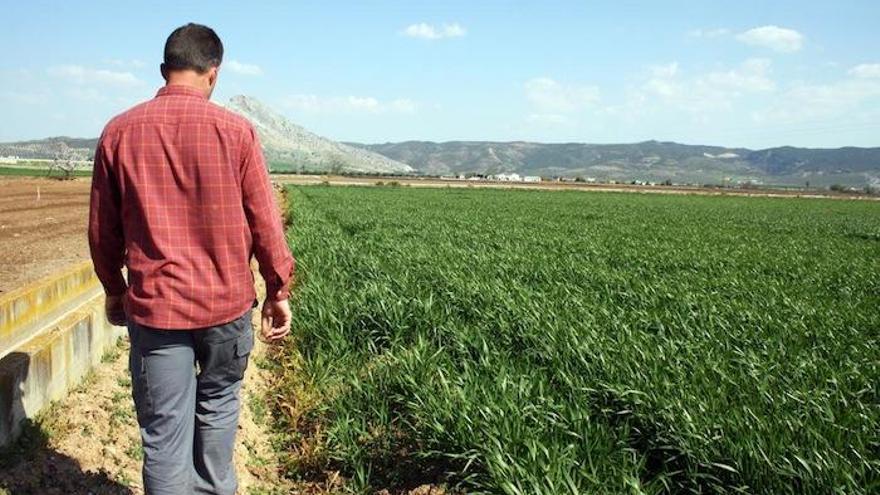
[(42, 227)]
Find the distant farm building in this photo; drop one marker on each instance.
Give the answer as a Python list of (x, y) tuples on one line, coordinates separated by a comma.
[(511, 177)]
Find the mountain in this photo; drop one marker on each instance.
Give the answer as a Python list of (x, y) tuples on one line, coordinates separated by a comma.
[(287, 146), (649, 160), (46, 149)]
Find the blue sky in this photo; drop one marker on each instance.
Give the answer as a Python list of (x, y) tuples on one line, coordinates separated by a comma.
[(748, 73)]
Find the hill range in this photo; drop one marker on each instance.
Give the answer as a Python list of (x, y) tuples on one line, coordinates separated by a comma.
[(291, 148), (647, 161)]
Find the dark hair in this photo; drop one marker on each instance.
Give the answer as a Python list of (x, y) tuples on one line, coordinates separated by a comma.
[(193, 46)]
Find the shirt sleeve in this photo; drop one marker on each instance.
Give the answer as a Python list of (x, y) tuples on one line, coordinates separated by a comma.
[(264, 219), (106, 238)]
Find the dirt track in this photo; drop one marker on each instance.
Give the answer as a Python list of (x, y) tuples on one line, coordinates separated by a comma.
[(562, 186), (42, 228)]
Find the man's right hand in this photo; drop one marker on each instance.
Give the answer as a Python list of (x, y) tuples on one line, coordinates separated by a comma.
[(276, 320), (115, 310)]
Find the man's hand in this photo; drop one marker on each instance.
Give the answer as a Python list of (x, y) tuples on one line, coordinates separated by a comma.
[(276, 320), (115, 311)]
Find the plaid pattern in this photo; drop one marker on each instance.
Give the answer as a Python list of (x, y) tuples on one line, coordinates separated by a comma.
[(181, 197)]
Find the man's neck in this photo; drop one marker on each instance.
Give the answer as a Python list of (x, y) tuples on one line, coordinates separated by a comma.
[(189, 79)]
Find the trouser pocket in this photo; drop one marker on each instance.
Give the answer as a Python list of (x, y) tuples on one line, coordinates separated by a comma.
[(224, 351), (243, 347)]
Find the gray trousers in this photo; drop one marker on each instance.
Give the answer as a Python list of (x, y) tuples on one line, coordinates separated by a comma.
[(188, 416)]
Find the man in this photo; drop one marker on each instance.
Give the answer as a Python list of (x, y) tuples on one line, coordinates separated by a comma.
[(181, 197)]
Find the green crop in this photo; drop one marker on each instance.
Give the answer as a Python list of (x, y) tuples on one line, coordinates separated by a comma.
[(533, 342), (39, 172)]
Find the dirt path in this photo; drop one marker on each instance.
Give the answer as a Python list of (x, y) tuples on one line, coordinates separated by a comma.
[(88, 443), (340, 180)]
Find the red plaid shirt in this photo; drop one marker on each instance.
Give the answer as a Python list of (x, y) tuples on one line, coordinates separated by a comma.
[(181, 197)]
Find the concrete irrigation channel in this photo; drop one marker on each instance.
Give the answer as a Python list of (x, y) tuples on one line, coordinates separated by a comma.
[(52, 332)]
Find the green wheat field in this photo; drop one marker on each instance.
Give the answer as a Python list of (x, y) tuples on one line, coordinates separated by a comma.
[(542, 342)]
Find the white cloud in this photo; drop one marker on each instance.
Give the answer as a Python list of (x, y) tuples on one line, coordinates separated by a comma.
[(243, 69), (750, 76), (366, 103), (403, 105), (125, 63), (805, 102), (78, 74), (427, 31), (665, 70), (86, 94), (701, 96), (866, 71), (19, 73), (348, 104), (25, 97), (552, 97), (748, 94), (548, 119), (776, 38), (708, 33)]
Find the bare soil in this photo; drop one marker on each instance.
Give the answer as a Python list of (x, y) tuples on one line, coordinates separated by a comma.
[(42, 227)]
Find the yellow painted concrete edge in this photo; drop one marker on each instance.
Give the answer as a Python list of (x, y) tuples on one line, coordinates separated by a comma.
[(47, 280), (53, 350), (29, 293), (59, 358)]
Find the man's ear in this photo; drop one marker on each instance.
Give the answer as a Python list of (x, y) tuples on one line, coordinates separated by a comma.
[(164, 71), (213, 72)]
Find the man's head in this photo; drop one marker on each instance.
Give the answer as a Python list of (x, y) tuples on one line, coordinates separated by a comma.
[(193, 54)]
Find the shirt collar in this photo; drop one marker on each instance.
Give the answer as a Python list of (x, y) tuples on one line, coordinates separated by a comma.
[(180, 90)]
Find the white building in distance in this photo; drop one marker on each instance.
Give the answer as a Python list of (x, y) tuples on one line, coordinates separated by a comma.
[(511, 177)]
